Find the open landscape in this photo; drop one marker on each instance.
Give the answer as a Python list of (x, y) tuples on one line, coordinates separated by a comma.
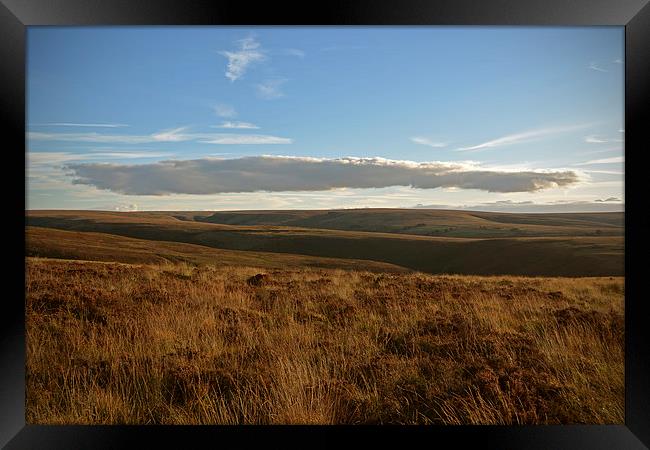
[(325, 225), (175, 318)]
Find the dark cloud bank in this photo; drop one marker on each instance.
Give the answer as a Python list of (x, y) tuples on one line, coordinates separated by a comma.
[(279, 173)]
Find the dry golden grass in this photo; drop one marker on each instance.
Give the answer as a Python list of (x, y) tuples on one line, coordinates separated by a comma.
[(111, 343)]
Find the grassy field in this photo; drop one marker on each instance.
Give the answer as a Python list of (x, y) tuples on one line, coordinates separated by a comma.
[(324, 317), (177, 343)]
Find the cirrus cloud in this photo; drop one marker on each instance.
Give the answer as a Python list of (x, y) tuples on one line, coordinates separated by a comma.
[(284, 173), (249, 52)]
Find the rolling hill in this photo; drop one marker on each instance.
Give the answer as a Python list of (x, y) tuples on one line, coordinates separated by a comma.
[(553, 244)]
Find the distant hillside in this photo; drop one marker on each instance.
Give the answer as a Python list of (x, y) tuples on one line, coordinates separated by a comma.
[(595, 255), (430, 222), (88, 246)]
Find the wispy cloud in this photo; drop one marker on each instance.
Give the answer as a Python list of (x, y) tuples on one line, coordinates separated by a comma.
[(593, 139), (283, 173), (618, 61), (605, 172), (294, 52), (224, 110), (173, 135), (604, 150), (533, 207), (235, 139), (237, 125), (54, 158), (596, 67), (518, 138), (428, 142), (248, 53), (614, 160), (70, 124), (270, 89), (334, 48)]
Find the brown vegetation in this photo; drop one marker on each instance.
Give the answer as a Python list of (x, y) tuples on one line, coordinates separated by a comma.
[(179, 344), (571, 247)]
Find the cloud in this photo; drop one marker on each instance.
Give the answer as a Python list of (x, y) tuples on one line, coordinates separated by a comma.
[(283, 173), (614, 160), (223, 110), (334, 48), (270, 89), (68, 124), (532, 207), (618, 61), (593, 139), (294, 52), (518, 138), (610, 199), (605, 172), (237, 125), (425, 141), (128, 207), (594, 66), (173, 135), (54, 158), (248, 53), (225, 138)]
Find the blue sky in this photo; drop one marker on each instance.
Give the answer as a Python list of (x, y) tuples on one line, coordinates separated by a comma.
[(324, 117)]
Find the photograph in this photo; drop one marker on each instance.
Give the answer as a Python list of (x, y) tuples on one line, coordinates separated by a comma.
[(325, 225)]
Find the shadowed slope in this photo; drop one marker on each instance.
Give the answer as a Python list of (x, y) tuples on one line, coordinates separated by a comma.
[(548, 256), (60, 244)]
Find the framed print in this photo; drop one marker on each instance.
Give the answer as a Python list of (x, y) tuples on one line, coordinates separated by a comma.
[(283, 224)]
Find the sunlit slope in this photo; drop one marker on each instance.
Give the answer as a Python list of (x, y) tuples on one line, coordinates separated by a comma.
[(429, 222), (595, 255), (90, 246)]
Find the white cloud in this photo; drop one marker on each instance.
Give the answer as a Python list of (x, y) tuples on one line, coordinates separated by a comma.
[(69, 124), (430, 143), (225, 138), (614, 160), (173, 135), (593, 139), (618, 61), (53, 158), (237, 125), (294, 52), (594, 66), (605, 172), (249, 52), (609, 205), (518, 138), (283, 173), (334, 48), (224, 110), (88, 137), (128, 207), (270, 89)]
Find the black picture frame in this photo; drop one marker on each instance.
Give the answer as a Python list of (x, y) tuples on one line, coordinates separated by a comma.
[(634, 15)]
